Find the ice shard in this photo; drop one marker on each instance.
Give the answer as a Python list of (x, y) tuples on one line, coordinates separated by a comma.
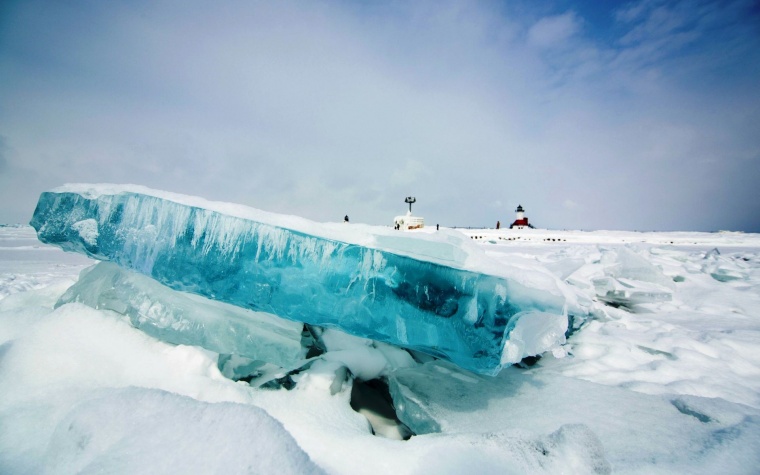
[(318, 274), (187, 319), (630, 280)]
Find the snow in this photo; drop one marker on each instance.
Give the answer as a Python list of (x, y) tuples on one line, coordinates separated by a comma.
[(140, 437), (657, 386), (638, 432)]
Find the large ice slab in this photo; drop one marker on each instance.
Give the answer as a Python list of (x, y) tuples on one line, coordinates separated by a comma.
[(412, 292)]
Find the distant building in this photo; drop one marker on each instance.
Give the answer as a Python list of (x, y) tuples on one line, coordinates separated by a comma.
[(521, 222), (408, 222)]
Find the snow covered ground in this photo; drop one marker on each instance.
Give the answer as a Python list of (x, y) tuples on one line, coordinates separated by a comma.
[(664, 377)]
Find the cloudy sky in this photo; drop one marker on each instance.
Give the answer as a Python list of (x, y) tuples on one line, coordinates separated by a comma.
[(641, 115)]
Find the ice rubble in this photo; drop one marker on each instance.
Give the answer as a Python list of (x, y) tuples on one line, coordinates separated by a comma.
[(676, 433), (423, 294), (723, 269), (619, 277)]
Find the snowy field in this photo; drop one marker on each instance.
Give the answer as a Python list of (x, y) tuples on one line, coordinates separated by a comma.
[(662, 376)]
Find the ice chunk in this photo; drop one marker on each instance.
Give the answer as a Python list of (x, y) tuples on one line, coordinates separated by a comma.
[(532, 334), (405, 298), (624, 263), (723, 269), (627, 293), (631, 280), (183, 318)]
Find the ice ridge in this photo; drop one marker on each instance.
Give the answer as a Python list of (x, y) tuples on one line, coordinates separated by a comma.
[(457, 314)]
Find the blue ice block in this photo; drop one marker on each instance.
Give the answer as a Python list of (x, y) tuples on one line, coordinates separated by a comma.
[(448, 312)]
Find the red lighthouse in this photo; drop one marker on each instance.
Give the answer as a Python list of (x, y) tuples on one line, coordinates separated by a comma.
[(521, 222)]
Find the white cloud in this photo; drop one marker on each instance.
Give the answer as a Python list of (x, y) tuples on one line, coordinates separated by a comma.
[(554, 31), (411, 173)]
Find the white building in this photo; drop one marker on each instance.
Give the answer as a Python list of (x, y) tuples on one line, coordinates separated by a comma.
[(407, 222)]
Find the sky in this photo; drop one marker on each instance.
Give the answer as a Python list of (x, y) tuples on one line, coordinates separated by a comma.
[(641, 115)]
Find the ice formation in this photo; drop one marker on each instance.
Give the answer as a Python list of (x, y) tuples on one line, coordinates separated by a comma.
[(182, 318), (257, 263), (619, 277), (630, 280)]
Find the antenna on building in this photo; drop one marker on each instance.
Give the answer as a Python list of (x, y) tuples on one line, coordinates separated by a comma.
[(410, 200)]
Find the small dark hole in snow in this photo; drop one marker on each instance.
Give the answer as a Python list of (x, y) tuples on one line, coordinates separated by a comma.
[(529, 361), (372, 399), (311, 341)]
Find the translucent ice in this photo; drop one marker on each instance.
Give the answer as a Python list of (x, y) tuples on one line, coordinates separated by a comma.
[(630, 280), (421, 297), (183, 318), (625, 263), (723, 269), (627, 293)]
